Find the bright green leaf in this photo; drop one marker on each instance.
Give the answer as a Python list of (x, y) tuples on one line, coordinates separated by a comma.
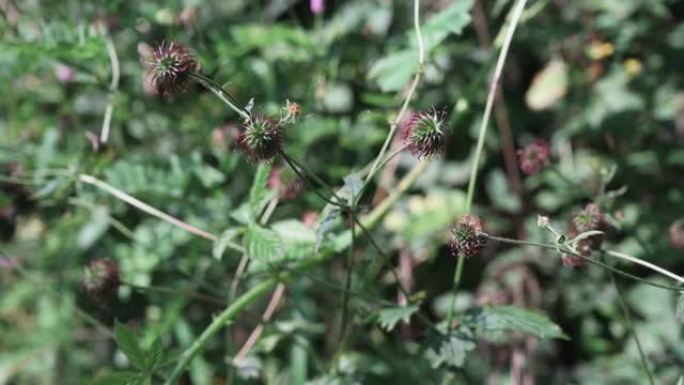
[(263, 244), (395, 70), (259, 194), (390, 317), (223, 242)]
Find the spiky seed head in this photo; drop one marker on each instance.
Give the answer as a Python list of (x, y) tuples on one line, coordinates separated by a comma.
[(534, 157), (101, 278), (426, 134), (261, 139), (588, 219), (170, 68), (466, 236)]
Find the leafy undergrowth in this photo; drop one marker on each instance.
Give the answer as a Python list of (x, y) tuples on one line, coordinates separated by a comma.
[(285, 192)]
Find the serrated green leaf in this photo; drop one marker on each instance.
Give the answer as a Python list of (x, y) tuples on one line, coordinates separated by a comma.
[(499, 322), (128, 343), (116, 378), (452, 351), (298, 239), (223, 242), (395, 70), (390, 317), (259, 194), (263, 244), (450, 20)]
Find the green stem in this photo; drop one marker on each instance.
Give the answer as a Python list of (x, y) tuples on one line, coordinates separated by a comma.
[(498, 70), (222, 94), (454, 289), (630, 327), (384, 255), (227, 316), (348, 279), (308, 179), (472, 181), (407, 99), (587, 259)]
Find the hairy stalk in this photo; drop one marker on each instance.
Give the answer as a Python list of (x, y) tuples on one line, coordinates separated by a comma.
[(275, 299), (142, 206), (491, 97), (648, 265), (113, 86), (177, 292), (222, 94), (256, 333), (503, 121), (630, 327), (454, 290), (307, 178), (407, 99), (348, 278), (590, 260), (375, 245), (227, 316)]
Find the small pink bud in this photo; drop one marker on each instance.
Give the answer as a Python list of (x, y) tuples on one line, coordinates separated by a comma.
[(317, 6), (64, 73), (677, 234)]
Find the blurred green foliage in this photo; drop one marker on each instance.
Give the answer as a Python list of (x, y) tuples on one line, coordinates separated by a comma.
[(600, 80)]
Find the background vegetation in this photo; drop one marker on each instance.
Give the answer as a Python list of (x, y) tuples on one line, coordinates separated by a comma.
[(600, 80)]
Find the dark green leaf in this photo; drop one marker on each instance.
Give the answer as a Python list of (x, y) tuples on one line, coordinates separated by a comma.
[(128, 343), (116, 378), (500, 321)]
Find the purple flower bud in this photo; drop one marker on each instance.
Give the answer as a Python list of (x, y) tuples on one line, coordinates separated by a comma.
[(534, 157), (589, 219), (64, 73)]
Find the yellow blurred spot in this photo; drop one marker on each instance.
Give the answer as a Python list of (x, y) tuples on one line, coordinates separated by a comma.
[(395, 221), (416, 204), (633, 66), (599, 50)]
